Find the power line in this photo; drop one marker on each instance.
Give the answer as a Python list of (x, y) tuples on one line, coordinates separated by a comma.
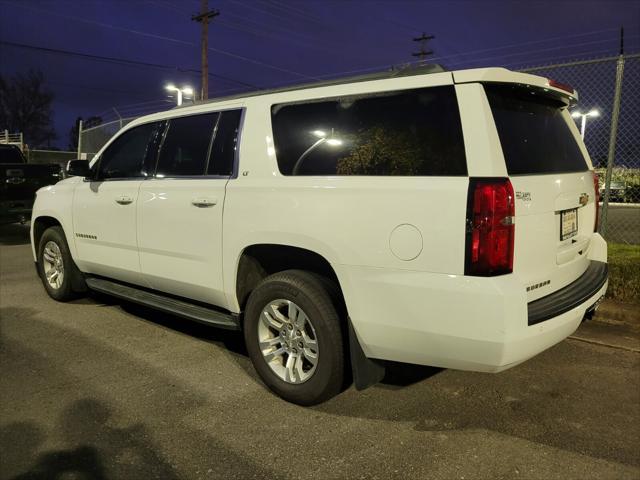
[(297, 13), (122, 61), (203, 18), (424, 52), (532, 42), (253, 27), (595, 42), (160, 37), (445, 58)]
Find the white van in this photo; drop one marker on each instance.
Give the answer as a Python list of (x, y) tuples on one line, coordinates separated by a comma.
[(440, 218)]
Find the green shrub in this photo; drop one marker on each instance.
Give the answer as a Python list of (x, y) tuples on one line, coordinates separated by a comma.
[(624, 273)]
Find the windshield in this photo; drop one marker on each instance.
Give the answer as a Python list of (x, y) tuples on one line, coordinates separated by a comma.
[(534, 134)]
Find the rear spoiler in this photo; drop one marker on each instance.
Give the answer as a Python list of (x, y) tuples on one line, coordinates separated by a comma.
[(501, 75)]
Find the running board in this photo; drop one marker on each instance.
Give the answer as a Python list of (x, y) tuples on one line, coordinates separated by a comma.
[(171, 305)]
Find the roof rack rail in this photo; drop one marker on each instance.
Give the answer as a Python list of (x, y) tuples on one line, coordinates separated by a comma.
[(394, 72)]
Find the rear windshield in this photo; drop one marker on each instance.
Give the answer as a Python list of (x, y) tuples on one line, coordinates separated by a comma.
[(534, 135)]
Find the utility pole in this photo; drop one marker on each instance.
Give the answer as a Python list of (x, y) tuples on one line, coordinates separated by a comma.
[(203, 18), (423, 39)]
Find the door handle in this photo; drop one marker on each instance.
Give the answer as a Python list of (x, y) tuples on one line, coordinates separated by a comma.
[(203, 202), (124, 200)]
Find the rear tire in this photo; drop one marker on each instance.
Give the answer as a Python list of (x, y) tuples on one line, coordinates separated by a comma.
[(294, 337), (59, 274)]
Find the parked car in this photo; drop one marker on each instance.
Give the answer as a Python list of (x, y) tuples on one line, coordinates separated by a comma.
[(443, 219), (19, 182), (617, 191)]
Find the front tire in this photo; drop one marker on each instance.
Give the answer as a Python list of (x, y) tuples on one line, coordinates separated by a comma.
[(56, 267), (294, 338)]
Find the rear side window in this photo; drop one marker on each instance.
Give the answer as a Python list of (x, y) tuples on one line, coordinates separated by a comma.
[(534, 135), (185, 148), (404, 133), (225, 143), (127, 155)]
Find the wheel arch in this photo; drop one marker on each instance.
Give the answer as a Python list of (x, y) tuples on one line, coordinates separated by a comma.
[(38, 227), (259, 260)]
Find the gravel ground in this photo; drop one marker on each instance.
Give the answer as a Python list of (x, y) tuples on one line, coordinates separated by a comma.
[(100, 389)]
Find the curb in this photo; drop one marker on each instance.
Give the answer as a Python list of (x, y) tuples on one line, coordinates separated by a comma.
[(604, 344), (622, 204)]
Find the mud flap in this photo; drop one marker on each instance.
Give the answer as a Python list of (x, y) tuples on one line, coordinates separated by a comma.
[(366, 371)]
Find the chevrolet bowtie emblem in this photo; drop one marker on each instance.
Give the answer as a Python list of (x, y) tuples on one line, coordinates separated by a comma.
[(584, 199)]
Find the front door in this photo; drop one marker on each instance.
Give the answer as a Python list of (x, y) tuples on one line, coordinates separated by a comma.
[(180, 209), (105, 206)]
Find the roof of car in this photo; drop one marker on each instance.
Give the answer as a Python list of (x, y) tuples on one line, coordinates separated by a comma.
[(386, 74)]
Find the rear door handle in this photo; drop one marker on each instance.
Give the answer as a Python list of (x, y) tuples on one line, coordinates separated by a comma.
[(204, 202), (124, 200)]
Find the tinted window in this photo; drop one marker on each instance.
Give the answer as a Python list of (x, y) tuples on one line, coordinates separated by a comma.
[(126, 156), (412, 132), (10, 154), (186, 144), (534, 135), (225, 143)]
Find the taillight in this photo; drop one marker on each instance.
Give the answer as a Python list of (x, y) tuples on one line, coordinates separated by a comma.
[(596, 188), (561, 86), (490, 227)]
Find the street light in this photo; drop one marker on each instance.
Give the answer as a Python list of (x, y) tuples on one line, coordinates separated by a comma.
[(179, 92), (322, 138), (583, 125)]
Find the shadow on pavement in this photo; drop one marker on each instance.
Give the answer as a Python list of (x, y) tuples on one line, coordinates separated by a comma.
[(231, 340), (398, 375), (84, 424), (14, 234), (98, 435)]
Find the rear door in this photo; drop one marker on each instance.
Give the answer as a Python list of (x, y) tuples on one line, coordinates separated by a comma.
[(180, 208), (550, 172), (104, 208)]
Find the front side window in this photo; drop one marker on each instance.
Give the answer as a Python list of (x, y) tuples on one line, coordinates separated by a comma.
[(127, 155), (185, 149), (401, 133)]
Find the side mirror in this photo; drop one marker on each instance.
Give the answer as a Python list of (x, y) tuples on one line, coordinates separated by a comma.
[(78, 168)]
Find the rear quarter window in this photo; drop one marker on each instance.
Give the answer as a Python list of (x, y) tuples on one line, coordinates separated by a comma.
[(401, 133), (534, 134)]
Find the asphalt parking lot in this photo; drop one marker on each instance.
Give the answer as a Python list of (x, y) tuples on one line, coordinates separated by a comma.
[(100, 389), (623, 224)]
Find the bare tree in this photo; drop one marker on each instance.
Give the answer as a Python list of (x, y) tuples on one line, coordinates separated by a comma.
[(25, 106)]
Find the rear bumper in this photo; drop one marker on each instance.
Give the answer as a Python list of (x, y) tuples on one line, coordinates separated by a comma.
[(466, 323), (571, 296)]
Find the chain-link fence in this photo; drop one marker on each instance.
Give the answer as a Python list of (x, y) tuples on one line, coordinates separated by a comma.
[(608, 112), (91, 140), (49, 156)]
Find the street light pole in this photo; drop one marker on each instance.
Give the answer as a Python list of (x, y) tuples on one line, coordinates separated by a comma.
[(179, 92), (322, 138), (583, 116)]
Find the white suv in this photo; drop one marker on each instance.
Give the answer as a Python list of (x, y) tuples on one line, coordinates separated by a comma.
[(443, 219)]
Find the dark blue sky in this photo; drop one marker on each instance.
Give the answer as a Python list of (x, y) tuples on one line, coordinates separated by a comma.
[(266, 43)]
